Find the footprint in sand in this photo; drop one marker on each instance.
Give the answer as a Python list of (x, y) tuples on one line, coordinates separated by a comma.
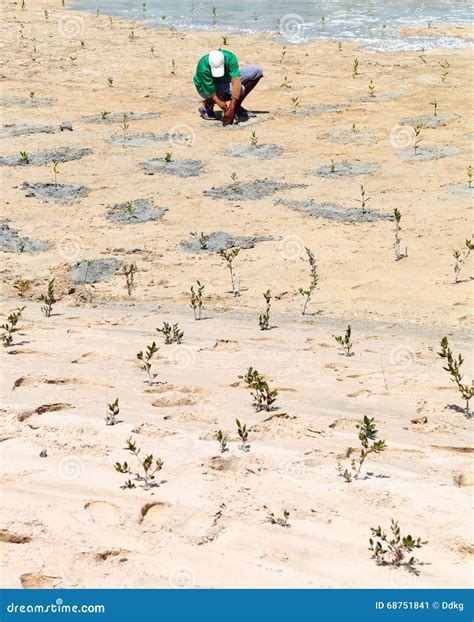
[(153, 512), (103, 512), (13, 538), (25, 381), (45, 408), (362, 394), (33, 580), (88, 356), (172, 395)]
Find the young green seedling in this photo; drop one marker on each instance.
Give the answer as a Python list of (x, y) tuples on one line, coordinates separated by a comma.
[(286, 84), (22, 287), (131, 36), (470, 175), (278, 520), (197, 300), (368, 445), (254, 139), (264, 318), (434, 103), (339, 46), (283, 54), (364, 199), (244, 435), (460, 258), (222, 440), (314, 276), (264, 397), (110, 82), (229, 255), (113, 411), (129, 207), (24, 157), (172, 334), (371, 89), (48, 299), (168, 157), (203, 240), (444, 67), (355, 68), (104, 114), (235, 185), (46, 14), (55, 171), (129, 274), (296, 103), (173, 67), (146, 359), (453, 367), (345, 341), (224, 40), (416, 145), (10, 326), (332, 167), (397, 243), (149, 467), (214, 16), (125, 125), (393, 551)]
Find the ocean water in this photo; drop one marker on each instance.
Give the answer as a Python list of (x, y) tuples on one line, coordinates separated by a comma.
[(376, 23)]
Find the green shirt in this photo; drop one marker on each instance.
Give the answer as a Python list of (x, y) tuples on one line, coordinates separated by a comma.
[(203, 79)]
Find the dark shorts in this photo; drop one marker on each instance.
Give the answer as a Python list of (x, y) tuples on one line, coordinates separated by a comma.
[(247, 74)]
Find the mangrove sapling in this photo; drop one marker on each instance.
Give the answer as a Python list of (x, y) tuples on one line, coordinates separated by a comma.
[(283, 54), (224, 40), (313, 272), (152, 49), (24, 157), (470, 175), (48, 299), (125, 125), (345, 341), (104, 114), (332, 167), (222, 440), (397, 243), (296, 103), (148, 466), (254, 139), (46, 14), (364, 199), (368, 445), (129, 207), (229, 256), (202, 239), (418, 139), (110, 82), (393, 551), (444, 66), (355, 68), (371, 89), (55, 171), (422, 56), (146, 358), (264, 397), (113, 411), (10, 326), (168, 157), (235, 185), (244, 435), (286, 84), (339, 46), (129, 274), (264, 318), (278, 520), (22, 287), (434, 103), (197, 300), (460, 258), (131, 36), (172, 334), (173, 67), (453, 367)]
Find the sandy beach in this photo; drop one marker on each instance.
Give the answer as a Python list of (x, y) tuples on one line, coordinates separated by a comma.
[(289, 180)]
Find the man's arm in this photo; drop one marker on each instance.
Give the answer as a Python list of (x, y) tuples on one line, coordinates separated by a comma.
[(230, 112)]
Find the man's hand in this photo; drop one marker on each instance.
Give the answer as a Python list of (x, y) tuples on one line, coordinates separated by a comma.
[(229, 113)]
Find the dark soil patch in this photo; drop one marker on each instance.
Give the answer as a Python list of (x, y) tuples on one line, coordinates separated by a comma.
[(220, 239), (11, 242), (334, 211), (255, 152), (149, 139), (240, 123), (58, 193), (461, 190), (349, 136), (312, 111), (26, 102), (25, 130), (428, 153), (140, 211), (250, 191), (178, 168), (94, 271), (346, 169), (429, 121), (62, 154), (117, 117)]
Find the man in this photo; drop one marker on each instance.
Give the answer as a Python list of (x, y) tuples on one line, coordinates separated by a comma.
[(219, 80)]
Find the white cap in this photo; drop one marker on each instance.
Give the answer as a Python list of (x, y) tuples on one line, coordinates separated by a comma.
[(217, 63)]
